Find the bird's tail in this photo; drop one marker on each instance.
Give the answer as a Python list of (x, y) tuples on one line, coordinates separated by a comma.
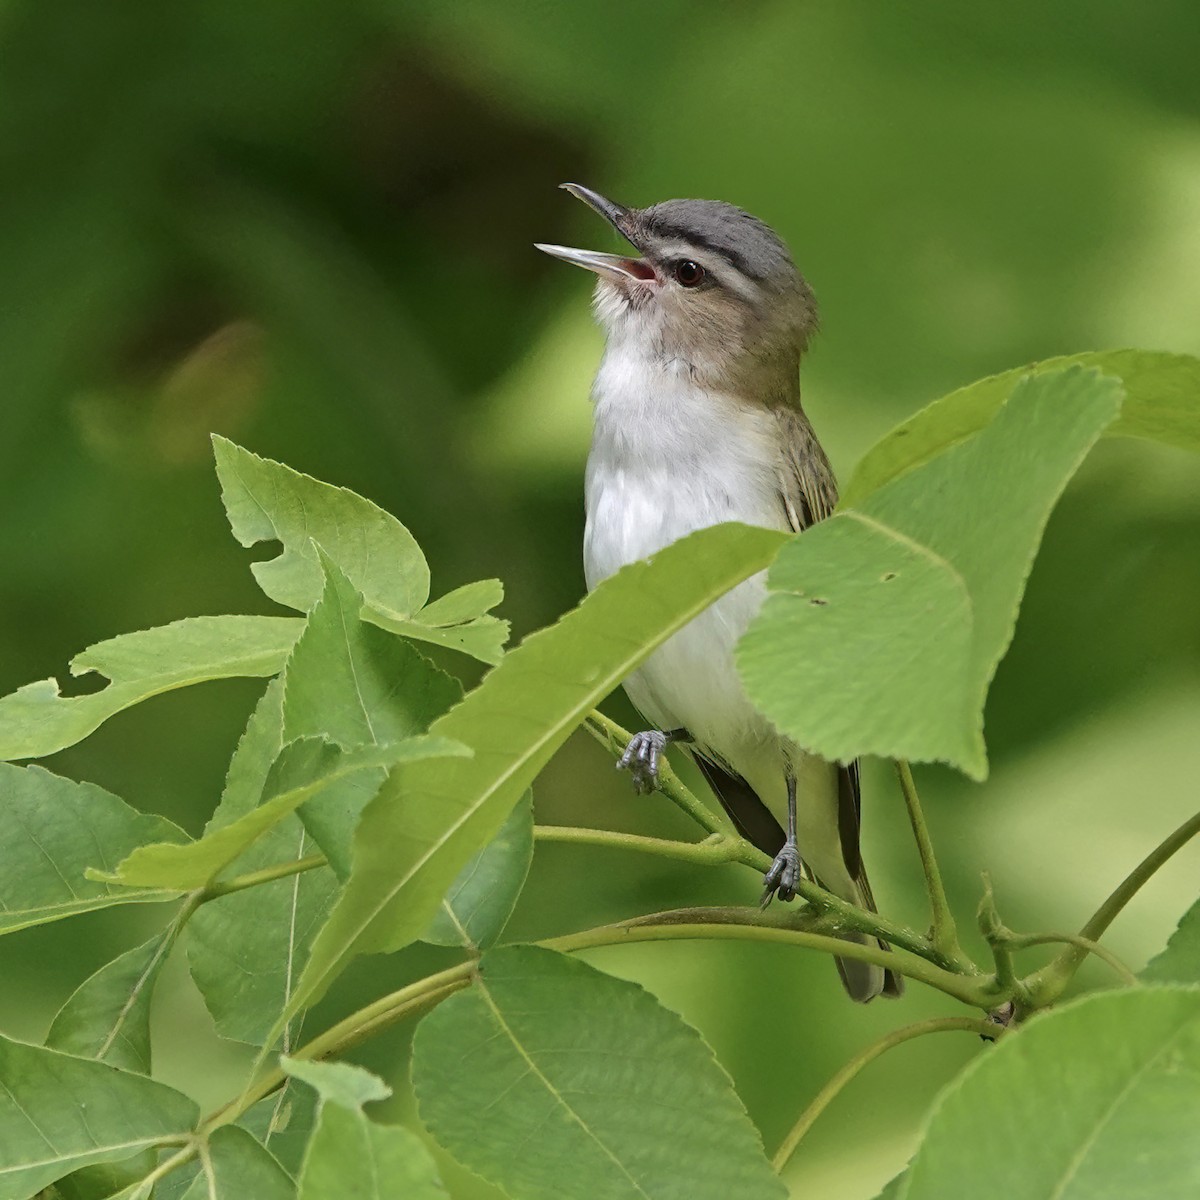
[(864, 981)]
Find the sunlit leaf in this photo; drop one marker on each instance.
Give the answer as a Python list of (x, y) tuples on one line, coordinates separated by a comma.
[(423, 826), (52, 830), (267, 501), (1162, 403), (483, 638), (1097, 1100), (108, 1015), (317, 763), (900, 607), (246, 949), (466, 603), (477, 907), (236, 1167), (352, 1156), (36, 720), (609, 1086), (111, 1115), (358, 686), (1180, 961)]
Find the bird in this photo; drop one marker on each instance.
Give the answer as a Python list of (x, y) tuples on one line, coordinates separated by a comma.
[(697, 420)]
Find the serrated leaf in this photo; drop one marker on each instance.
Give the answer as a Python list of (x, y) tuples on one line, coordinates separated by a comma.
[(111, 1115), (352, 1156), (610, 1086), (246, 949), (466, 603), (358, 686), (475, 910), (1162, 403), (900, 607), (343, 1084), (267, 501), (284, 1123), (108, 1016), (1097, 1100), (236, 1167), (317, 763), (423, 826), (52, 830), (482, 638), (36, 720), (1180, 961)]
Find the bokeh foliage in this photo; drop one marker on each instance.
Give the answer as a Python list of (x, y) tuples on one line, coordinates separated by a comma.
[(307, 227)]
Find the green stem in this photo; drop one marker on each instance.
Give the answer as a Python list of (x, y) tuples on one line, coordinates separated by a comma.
[(1022, 941), (867, 1055), (944, 935), (375, 1016), (615, 738), (240, 883), (1052, 980), (975, 991), (716, 848)]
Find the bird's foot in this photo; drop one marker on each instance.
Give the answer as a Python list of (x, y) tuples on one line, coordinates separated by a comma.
[(641, 759), (784, 875)]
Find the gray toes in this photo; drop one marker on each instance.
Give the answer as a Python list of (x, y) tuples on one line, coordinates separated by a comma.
[(641, 759), (783, 877)]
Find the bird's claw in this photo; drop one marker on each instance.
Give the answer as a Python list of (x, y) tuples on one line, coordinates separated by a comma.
[(641, 759), (784, 875)]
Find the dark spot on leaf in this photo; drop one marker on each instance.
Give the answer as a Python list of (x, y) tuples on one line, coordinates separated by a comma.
[(890, 575), (818, 601)]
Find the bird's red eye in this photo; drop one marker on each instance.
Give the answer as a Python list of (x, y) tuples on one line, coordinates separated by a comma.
[(690, 274)]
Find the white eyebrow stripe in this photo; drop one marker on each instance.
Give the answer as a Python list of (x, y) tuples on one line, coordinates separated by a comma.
[(723, 271)]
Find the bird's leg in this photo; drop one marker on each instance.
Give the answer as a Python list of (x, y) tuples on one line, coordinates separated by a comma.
[(642, 754), (784, 874)]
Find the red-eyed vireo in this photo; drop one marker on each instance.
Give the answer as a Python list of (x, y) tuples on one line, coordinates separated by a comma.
[(698, 421)]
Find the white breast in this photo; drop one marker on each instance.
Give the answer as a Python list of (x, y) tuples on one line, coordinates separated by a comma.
[(668, 458)]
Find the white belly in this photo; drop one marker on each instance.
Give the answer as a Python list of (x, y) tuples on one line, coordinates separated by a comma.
[(686, 461)]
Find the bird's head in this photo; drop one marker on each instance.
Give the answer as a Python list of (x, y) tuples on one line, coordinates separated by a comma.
[(712, 291)]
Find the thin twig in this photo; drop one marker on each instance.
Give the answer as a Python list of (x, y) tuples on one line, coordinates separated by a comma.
[(716, 848), (240, 883), (822, 1100), (1046, 985), (944, 935)]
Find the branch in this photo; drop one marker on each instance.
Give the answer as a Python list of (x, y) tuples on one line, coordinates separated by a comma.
[(269, 874), (897, 1037), (750, 925), (716, 848), (1051, 981), (944, 935), (615, 738)]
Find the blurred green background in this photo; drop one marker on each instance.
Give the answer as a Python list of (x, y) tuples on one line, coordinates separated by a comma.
[(307, 226)]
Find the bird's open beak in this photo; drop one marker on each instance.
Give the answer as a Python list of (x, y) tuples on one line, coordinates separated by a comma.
[(618, 267)]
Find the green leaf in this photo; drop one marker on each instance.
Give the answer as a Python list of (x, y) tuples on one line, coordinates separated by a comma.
[(35, 720), (608, 1085), (894, 1187), (315, 762), (236, 1167), (1162, 403), (466, 603), (351, 1156), (900, 607), (246, 949), (358, 686), (267, 501), (108, 1015), (342, 1083), (456, 621), (1180, 961), (1097, 1100), (52, 829), (59, 1113), (477, 907), (284, 1123), (422, 827), (482, 638)]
